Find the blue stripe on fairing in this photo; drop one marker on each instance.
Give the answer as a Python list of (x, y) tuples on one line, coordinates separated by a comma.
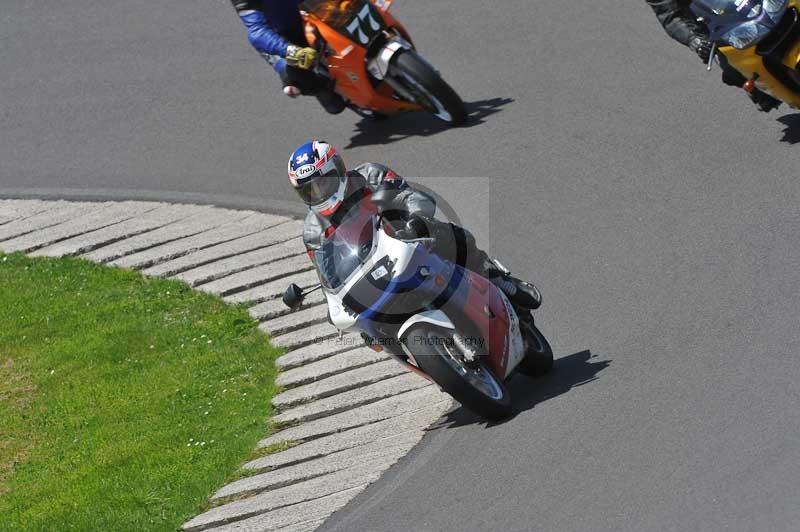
[(365, 320)]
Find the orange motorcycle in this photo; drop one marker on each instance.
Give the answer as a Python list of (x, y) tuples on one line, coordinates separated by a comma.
[(372, 63)]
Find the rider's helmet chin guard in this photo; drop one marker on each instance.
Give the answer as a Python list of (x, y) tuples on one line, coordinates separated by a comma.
[(318, 175), (332, 204)]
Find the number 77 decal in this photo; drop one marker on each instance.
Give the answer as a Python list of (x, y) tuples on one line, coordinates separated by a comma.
[(355, 26)]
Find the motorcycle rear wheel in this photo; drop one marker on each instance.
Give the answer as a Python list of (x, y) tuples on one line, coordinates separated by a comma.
[(431, 91), (472, 385)]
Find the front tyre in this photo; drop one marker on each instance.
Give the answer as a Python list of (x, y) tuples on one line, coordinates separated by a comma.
[(429, 89), (538, 353), (440, 354)]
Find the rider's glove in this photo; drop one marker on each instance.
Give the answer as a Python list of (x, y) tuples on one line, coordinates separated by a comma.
[(702, 47), (301, 57), (416, 227)]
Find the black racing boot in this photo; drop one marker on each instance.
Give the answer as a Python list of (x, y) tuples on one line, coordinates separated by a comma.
[(527, 296), (311, 84), (764, 101), (330, 101), (457, 244), (521, 293)]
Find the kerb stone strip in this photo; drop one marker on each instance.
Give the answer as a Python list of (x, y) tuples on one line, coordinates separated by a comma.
[(349, 412)]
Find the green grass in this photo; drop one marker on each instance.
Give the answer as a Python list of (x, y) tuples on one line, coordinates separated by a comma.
[(124, 401)]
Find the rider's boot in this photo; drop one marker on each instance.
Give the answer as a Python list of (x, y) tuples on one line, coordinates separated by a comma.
[(764, 101), (297, 81), (457, 244), (521, 293), (330, 101)]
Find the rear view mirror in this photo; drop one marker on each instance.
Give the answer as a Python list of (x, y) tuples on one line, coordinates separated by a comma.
[(293, 296)]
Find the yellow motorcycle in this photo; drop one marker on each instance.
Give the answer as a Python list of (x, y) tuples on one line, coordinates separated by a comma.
[(760, 39)]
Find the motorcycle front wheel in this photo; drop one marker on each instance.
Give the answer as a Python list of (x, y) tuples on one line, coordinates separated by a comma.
[(429, 89), (472, 384)]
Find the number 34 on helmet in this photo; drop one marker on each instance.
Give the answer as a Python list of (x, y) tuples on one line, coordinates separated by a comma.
[(318, 175)]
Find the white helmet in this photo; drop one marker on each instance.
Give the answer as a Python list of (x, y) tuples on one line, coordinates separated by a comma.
[(318, 175)]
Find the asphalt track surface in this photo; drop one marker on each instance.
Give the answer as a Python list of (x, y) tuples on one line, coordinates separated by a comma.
[(657, 209)]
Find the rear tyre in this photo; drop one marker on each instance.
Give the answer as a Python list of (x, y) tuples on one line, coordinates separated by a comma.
[(538, 354), (473, 385), (430, 90)]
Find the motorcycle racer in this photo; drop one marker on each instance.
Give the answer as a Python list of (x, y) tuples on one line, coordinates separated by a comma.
[(680, 24), (276, 31), (318, 174)]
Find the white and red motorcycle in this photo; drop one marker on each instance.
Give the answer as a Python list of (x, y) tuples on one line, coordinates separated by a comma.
[(437, 318)]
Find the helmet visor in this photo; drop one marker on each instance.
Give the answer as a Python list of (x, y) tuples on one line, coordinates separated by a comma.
[(319, 189)]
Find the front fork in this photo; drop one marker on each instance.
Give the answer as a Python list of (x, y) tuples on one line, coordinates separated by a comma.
[(379, 65)]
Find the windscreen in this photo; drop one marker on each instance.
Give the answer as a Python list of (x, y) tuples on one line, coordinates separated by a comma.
[(720, 7), (357, 19), (738, 9), (336, 13), (740, 23), (345, 249)]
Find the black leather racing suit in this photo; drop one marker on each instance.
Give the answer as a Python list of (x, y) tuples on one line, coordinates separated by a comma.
[(452, 242), (678, 21), (681, 24)]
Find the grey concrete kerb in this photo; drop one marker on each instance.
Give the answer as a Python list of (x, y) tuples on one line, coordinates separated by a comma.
[(348, 412)]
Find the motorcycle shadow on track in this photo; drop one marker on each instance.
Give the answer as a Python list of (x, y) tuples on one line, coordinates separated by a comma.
[(371, 132), (568, 372), (791, 133)]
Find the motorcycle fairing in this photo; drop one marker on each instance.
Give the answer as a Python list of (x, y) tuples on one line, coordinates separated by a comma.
[(386, 294), (499, 326), (357, 20), (740, 23), (769, 77), (346, 59), (367, 290)]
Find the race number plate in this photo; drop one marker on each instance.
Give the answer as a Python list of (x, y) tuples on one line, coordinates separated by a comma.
[(360, 21)]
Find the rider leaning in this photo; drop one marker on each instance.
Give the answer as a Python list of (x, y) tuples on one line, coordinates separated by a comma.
[(682, 25), (318, 175), (275, 29)]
